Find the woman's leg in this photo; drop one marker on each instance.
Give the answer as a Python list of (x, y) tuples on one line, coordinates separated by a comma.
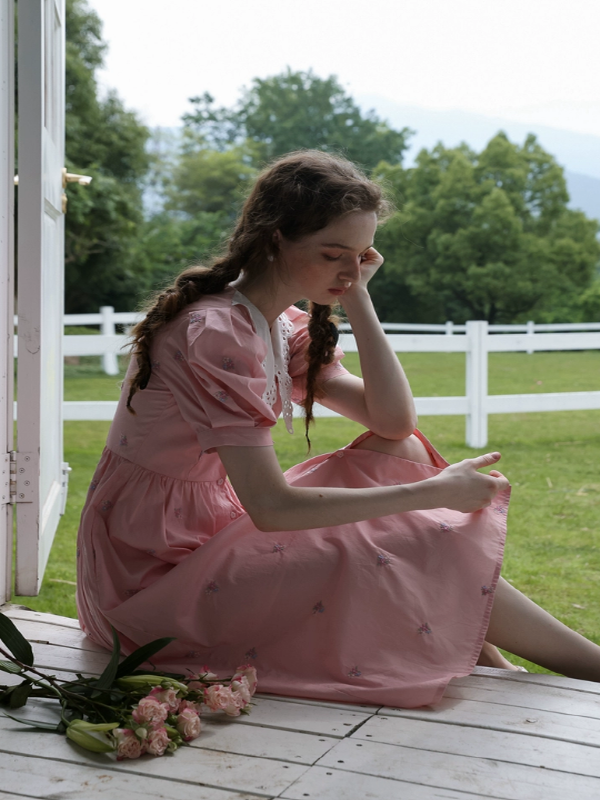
[(520, 626)]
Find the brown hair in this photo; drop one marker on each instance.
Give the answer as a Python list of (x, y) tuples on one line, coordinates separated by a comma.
[(298, 194)]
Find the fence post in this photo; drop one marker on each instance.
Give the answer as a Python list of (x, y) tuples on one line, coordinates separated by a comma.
[(449, 327), (477, 383), (107, 328), (530, 332)]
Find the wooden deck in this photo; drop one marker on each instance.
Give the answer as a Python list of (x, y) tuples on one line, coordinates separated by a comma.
[(496, 734)]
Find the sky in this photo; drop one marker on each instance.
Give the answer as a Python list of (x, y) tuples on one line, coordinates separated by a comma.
[(531, 61)]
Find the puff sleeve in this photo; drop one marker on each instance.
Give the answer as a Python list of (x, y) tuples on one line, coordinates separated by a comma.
[(226, 380), (298, 366)]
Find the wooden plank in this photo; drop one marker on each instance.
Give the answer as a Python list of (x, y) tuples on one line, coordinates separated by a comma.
[(532, 696), (365, 708), (41, 778), (486, 777), (60, 636), (261, 776), (22, 612), (497, 717), (223, 733), (529, 679), (49, 656), (282, 715), (320, 783), (511, 747)]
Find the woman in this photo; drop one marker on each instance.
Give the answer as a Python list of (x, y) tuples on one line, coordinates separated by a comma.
[(366, 575)]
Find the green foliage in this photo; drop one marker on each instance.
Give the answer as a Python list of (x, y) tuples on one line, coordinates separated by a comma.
[(295, 110), (103, 264), (484, 236)]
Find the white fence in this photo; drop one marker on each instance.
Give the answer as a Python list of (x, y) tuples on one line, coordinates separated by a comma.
[(476, 339)]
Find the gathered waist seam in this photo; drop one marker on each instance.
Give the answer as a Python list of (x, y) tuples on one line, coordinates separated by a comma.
[(122, 458)]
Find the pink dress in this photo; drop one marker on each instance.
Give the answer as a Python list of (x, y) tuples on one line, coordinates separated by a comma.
[(384, 611)]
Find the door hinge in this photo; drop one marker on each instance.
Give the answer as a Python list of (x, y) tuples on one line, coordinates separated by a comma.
[(21, 477)]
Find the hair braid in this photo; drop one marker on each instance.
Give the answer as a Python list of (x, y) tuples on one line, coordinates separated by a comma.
[(324, 336)]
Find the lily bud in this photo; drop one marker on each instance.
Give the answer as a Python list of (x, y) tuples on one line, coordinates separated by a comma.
[(88, 741)]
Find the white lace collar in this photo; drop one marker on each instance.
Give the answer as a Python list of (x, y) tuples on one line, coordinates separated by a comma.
[(277, 358)]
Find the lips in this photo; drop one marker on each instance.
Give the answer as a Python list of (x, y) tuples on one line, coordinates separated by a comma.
[(337, 292)]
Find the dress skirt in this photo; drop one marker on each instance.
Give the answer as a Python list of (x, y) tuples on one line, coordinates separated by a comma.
[(385, 611)]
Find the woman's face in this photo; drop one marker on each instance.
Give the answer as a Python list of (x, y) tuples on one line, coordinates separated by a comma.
[(322, 266)]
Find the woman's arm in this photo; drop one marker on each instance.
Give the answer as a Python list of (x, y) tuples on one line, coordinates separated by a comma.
[(274, 505), (382, 401)]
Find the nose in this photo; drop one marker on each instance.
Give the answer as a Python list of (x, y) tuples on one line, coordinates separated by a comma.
[(351, 270)]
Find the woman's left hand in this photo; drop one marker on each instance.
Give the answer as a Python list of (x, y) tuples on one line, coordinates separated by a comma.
[(371, 260)]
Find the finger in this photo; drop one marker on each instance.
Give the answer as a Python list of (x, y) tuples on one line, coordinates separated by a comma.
[(495, 474), (502, 484), (485, 460)]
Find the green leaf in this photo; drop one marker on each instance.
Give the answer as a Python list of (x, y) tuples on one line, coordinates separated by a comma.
[(105, 680), (46, 726), (10, 666), (20, 694), (142, 654), (15, 641)]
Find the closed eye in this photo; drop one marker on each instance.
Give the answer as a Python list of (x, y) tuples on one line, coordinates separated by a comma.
[(331, 258)]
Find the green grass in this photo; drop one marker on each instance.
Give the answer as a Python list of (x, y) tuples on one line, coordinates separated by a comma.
[(552, 460)]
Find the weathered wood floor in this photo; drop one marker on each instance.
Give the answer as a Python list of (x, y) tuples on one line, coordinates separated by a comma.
[(496, 734)]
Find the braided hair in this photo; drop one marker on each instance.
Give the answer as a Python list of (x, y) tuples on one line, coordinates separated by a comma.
[(297, 195)]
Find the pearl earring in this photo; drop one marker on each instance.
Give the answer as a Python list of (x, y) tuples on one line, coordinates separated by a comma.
[(269, 258)]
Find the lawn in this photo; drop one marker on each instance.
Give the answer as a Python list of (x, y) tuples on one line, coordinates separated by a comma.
[(552, 460)]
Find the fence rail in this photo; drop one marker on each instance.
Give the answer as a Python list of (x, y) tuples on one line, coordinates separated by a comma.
[(476, 339)]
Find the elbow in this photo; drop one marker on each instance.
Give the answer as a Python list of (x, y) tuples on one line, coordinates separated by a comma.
[(267, 513), (263, 521)]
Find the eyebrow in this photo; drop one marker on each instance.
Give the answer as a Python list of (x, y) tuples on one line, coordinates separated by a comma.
[(342, 246)]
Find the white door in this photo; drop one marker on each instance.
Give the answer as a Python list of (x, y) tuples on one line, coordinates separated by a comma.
[(6, 286), (40, 474)]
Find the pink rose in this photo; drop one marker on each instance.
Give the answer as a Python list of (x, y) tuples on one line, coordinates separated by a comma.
[(158, 741), (248, 672), (222, 698), (241, 687), (128, 745), (183, 704), (166, 696), (188, 724), (195, 686), (150, 712)]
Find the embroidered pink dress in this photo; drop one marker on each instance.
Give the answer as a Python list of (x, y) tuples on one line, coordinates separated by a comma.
[(384, 611)]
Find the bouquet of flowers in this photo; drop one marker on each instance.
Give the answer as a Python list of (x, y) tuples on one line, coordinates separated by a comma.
[(125, 711)]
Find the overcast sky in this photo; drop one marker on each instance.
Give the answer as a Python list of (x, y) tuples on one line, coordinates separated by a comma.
[(535, 61)]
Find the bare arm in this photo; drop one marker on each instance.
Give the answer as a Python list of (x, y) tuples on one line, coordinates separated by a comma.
[(382, 401), (274, 505)]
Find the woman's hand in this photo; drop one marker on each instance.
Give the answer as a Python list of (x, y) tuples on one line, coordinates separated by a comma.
[(370, 261), (464, 489)]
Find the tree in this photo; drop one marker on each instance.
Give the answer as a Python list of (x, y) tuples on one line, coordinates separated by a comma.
[(486, 236), (295, 110), (103, 263)]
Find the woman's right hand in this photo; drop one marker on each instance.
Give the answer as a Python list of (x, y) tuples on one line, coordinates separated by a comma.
[(464, 489)]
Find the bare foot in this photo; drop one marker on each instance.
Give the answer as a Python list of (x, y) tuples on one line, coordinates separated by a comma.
[(490, 656)]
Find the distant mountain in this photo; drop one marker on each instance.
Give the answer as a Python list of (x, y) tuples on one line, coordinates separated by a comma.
[(578, 153)]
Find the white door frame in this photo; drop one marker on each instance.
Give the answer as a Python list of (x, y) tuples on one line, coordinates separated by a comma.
[(7, 168)]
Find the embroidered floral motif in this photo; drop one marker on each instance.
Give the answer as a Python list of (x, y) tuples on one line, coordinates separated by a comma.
[(193, 654), (78, 552), (178, 513), (151, 552), (211, 587), (278, 548), (251, 653), (227, 363), (223, 397), (178, 356), (354, 673), (131, 592), (123, 440), (155, 364), (383, 560), (318, 608), (93, 485), (500, 509), (424, 628), (195, 316), (487, 590), (106, 505), (445, 527)]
